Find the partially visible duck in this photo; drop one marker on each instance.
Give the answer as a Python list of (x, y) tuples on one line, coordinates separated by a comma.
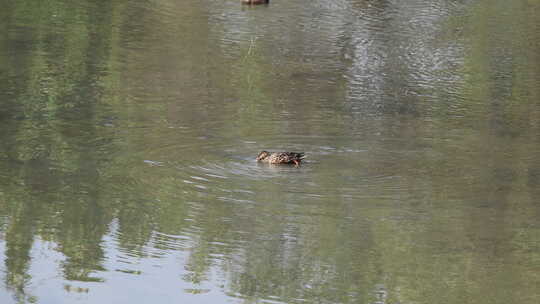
[(255, 1), (281, 157)]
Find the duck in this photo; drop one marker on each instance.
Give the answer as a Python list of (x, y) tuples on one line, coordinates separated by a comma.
[(281, 157), (255, 1)]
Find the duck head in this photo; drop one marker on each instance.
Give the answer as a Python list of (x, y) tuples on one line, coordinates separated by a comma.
[(262, 155)]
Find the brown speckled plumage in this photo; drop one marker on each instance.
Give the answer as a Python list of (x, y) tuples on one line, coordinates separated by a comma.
[(281, 157), (255, 1)]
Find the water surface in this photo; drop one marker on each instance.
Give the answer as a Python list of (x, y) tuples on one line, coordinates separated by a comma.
[(128, 132)]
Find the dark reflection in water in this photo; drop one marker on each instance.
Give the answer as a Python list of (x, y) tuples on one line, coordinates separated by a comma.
[(128, 135)]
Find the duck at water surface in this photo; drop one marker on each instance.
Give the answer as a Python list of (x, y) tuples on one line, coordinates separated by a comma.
[(281, 157), (255, 1)]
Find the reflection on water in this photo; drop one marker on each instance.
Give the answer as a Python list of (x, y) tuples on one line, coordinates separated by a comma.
[(129, 132)]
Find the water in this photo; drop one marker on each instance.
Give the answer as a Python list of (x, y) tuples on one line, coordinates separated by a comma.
[(128, 134)]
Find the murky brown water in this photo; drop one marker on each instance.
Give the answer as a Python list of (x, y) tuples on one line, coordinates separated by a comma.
[(128, 132)]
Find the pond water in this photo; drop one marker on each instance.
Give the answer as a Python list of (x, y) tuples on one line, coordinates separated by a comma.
[(129, 130)]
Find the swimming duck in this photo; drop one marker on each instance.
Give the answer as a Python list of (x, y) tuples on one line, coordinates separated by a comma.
[(281, 157), (255, 1)]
